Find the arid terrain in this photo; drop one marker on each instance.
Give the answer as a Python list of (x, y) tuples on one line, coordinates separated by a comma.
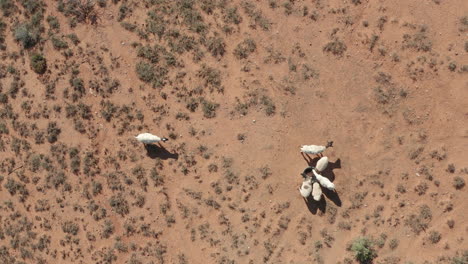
[(237, 87)]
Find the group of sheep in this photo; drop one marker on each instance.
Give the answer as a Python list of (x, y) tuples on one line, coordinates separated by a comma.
[(312, 180)]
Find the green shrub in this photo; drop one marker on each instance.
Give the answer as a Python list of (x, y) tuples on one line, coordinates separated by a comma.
[(38, 63), (245, 48), (209, 109), (336, 47), (232, 16), (458, 182), (145, 71), (26, 35), (70, 228), (434, 237), (216, 46), (58, 43), (53, 132), (119, 204), (53, 22), (7, 7), (363, 250)]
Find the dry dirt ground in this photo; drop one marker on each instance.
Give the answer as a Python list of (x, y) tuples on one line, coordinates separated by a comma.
[(237, 87)]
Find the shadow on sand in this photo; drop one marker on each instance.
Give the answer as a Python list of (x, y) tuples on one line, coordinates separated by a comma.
[(157, 151), (314, 206)]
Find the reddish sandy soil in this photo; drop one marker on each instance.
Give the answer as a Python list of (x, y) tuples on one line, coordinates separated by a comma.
[(223, 189)]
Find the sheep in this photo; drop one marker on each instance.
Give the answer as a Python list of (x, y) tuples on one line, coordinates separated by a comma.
[(147, 138), (316, 191), (314, 149), (325, 182), (306, 188), (322, 164)]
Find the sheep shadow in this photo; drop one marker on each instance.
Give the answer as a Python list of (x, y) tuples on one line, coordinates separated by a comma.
[(157, 151), (333, 196), (314, 206)]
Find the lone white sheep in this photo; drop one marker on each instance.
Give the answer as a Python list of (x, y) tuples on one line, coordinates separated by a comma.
[(316, 191), (325, 182), (322, 164), (314, 149), (147, 138)]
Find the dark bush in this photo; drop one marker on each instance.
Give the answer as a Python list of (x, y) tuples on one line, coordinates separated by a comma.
[(53, 132), (38, 63), (26, 35)]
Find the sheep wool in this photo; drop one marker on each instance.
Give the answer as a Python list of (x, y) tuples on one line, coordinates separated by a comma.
[(316, 191), (314, 149), (147, 138), (322, 164), (325, 182), (306, 188)]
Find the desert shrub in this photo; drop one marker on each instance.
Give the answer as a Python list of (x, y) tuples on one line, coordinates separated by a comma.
[(245, 48), (38, 63), (128, 26), (421, 221), (268, 104), (124, 11), (53, 22), (151, 74), (363, 250), (463, 24), (53, 132), (451, 168), (192, 18), (460, 259), (231, 15), (418, 41), (4, 129), (79, 11), (7, 7), (211, 77), (107, 229), (119, 204), (393, 244), (151, 54), (73, 38), (256, 15), (336, 47), (434, 237), (458, 182), (216, 46), (26, 35), (14, 187), (450, 223), (59, 43), (421, 188), (70, 228), (209, 109)]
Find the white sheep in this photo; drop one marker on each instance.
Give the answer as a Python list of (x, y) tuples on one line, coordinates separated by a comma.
[(147, 138), (322, 164), (325, 182), (314, 149), (316, 191), (306, 187)]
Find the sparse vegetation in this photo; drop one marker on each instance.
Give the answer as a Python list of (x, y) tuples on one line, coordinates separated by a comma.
[(335, 47), (458, 182), (363, 250), (38, 63), (80, 78)]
